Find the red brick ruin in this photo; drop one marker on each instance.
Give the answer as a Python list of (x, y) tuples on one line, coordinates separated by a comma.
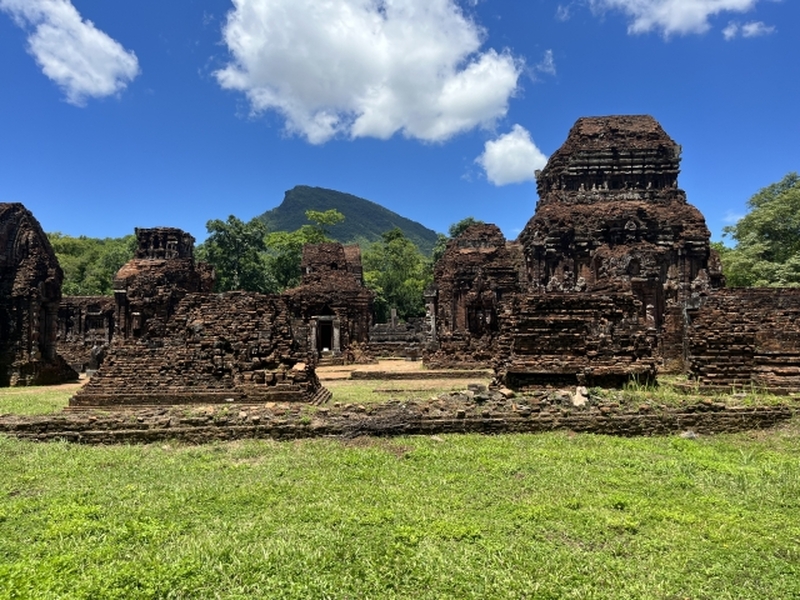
[(30, 293), (177, 343), (331, 307), (612, 279)]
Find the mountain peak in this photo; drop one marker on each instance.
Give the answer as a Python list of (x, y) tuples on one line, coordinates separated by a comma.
[(364, 220)]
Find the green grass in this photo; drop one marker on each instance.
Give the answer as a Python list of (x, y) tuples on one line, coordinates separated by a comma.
[(512, 516), (35, 400), (676, 391), (359, 391)]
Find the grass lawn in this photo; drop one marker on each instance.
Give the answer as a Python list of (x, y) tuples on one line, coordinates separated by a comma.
[(553, 515), (36, 400)]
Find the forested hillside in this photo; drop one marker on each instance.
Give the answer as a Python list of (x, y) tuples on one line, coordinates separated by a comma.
[(364, 221)]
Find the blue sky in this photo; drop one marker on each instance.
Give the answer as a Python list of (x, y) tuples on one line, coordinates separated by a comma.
[(115, 115)]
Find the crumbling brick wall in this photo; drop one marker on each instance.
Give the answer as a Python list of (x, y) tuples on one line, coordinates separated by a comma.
[(235, 346), (30, 292), (746, 337), (477, 270), (331, 304), (569, 339), (85, 330)]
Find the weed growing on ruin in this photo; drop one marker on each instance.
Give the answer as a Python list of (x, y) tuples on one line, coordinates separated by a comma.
[(454, 516)]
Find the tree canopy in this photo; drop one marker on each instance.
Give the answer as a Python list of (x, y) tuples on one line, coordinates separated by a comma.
[(398, 273), (767, 251), (89, 264), (238, 253)]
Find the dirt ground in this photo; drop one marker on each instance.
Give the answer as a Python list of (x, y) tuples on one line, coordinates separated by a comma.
[(390, 366)]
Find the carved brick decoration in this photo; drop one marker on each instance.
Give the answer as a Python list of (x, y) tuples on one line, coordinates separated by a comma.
[(477, 270), (746, 338), (30, 292), (599, 277), (232, 347), (612, 218), (331, 304), (148, 288), (85, 330)]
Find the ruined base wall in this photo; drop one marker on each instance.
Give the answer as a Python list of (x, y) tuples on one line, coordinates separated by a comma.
[(399, 340), (85, 328), (588, 339), (746, 337), (216, 348)]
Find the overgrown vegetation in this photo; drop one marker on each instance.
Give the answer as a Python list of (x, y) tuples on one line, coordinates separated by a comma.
[(237, 250), (767, 251)]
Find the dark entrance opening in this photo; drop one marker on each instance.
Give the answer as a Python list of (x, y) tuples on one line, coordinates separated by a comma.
[(324, 335)]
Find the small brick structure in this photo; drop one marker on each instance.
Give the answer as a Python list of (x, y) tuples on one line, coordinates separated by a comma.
[(215, 348), (177, 343), (569, 339), (30, 293), (399, 339), (331, 307), (746, 338), (148, 288), (478, 269)]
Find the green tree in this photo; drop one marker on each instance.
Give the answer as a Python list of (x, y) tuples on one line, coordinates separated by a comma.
[(286, 247), (455, 230), (238, 253), (767, 251), (90, 264), (398, 273)]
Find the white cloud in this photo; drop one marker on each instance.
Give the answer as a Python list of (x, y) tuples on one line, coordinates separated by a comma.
[(547, 64), (748, 30), (366, 68), (674, 16), (756, 29), (563, 12), (730, 31), (84, 61), (511, 158)]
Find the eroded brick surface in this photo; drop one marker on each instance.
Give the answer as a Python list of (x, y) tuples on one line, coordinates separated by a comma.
[(30, 292), (177, 343), (747, 338), (227, 347), (331, 306), (85, 330), (610, 259)]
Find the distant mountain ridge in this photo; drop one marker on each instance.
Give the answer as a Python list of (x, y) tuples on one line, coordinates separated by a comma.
[(364, 220)]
